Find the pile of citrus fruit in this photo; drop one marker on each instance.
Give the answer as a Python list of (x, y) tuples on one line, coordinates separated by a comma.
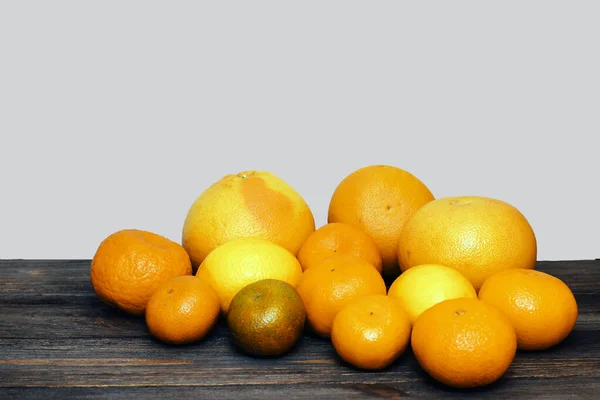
[(462, 290)]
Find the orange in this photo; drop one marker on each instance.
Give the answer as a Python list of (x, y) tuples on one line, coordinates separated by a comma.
[(182, 310), (249, 204), (541, 307), (425, 285), (464, 343), (130, 264), (327, 286), (241, 262), (339, 238), (477, 236), (371, 332), (266, 318), (379, 199)]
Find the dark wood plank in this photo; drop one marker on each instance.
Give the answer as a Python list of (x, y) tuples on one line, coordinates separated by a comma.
[(513, 389), (58, 340)]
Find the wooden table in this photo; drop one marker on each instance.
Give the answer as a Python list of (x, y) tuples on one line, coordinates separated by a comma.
[(57, 340)]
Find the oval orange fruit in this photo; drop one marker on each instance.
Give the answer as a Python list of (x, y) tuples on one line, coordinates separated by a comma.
[(338, 238), (130, 264), (541, 307), (182, 310), (379, 199), (464, 342), (371, 332), (327, 286)]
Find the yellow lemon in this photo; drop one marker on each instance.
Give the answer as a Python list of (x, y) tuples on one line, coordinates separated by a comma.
[(423, 286), (235, 264)]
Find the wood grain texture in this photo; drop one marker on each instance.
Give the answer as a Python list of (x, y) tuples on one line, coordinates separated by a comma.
[(57, 340)]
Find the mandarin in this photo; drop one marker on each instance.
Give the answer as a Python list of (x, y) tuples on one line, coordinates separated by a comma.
[(541, 307), (339, 238), (182, 310), (130, 264), (464, 342), (371, 332), (266, 318), (327, 286)]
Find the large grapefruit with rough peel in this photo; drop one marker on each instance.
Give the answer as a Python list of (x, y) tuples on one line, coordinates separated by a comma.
[(251, 204), (478, 236)]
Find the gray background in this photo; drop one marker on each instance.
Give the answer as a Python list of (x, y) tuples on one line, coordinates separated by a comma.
[(117, 114)]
